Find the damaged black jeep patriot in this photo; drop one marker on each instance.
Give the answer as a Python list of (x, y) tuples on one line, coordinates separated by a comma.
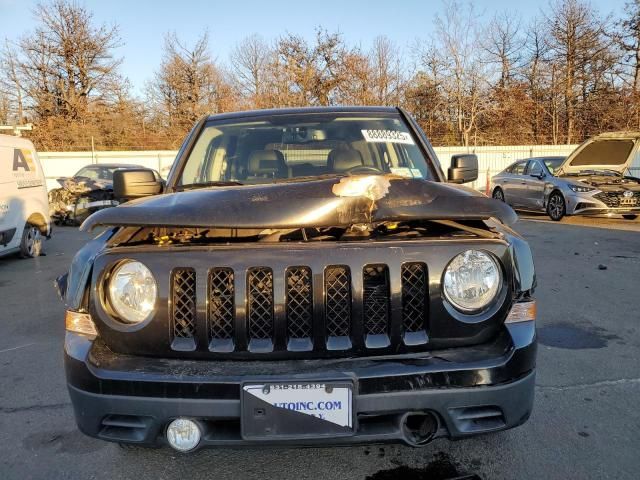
[(305, 277)]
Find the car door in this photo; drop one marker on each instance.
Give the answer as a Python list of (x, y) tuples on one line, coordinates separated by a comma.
[(513, 184), (535, 179)]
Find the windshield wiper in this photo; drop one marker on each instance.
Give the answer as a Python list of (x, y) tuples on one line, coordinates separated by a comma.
[(618, 174), (219, 183), (596, 171), (308, 178)]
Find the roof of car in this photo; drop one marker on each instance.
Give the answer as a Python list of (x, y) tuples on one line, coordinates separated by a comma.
[(114, 165), (621, 135), (301, 110), (543, 157)]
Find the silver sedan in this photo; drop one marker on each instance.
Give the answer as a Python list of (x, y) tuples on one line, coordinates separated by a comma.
[(531, 185)]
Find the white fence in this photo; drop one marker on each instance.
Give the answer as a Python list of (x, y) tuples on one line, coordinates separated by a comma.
[(491, 160)]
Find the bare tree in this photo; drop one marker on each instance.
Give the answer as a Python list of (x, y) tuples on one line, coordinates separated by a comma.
[(358, 86), (314, 73), (576, 36), (188, 84), (629, 39), (424, 95), (535, 74), (250, 63), (386, 70), (464, 77), (5, 108), (503, 44), (67, 62), (11, 84)]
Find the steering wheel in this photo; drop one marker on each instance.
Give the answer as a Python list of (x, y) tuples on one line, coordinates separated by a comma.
[(364, 169)]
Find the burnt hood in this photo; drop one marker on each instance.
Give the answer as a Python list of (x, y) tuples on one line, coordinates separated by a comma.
[(335, 201)]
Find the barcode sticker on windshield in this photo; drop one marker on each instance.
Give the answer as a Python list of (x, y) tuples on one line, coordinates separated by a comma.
[(384, 136)]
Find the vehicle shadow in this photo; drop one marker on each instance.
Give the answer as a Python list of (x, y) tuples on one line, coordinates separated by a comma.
[(440, 460)]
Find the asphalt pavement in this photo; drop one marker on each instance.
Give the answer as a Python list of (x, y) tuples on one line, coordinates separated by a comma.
[(586, 421)]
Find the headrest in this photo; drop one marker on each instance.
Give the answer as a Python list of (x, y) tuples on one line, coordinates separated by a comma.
[(344, 159), (265, 162)]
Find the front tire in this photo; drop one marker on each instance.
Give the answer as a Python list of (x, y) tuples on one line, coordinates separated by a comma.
[(630, 217), (556, 206), (31, 243), (498, 194)]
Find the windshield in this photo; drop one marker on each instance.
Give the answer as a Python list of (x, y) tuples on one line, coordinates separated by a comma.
[(309, 145), (553, 163), (97, 173)]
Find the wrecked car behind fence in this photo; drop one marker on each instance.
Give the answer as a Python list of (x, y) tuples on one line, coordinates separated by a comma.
[(367, 302), (89, 190)]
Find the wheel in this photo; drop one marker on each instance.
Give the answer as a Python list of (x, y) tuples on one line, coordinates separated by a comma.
[(556, 208), (498, 194), (630, 217), (31, 243)]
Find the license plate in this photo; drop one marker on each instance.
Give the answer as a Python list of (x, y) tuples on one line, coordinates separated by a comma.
[(628, 202), (297, 410)]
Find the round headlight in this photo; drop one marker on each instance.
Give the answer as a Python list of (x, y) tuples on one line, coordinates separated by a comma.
[(132, 291), (471, 281)]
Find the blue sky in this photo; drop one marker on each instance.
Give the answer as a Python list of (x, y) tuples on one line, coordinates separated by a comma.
[(143, 23)]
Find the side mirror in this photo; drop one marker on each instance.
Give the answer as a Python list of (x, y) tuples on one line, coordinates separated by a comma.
[(463, 169), (135, 183)]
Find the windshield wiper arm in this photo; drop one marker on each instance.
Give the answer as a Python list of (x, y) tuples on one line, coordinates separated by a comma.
[(613, 171), (192, 186), (308, 177)]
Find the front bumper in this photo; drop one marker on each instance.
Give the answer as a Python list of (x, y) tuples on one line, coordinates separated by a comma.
[(470, 390), (587, 204)]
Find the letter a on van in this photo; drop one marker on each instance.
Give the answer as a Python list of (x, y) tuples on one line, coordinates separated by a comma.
[(24, 207)]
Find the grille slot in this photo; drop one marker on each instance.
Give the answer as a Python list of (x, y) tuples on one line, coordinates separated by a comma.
[(260, 308), (299, 302), (220, 311), (414, 296), (337, 285), (376, 299), (183, 303)]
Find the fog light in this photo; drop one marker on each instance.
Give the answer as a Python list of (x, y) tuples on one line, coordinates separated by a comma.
[(183, 434)]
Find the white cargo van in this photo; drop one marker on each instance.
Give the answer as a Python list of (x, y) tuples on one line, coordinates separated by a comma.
[(24, 207)]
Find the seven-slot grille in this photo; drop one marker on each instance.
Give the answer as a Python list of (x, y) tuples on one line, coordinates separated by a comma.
[(319, 313)]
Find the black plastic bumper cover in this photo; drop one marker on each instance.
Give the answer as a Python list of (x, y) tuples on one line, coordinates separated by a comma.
[(471, 390)]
